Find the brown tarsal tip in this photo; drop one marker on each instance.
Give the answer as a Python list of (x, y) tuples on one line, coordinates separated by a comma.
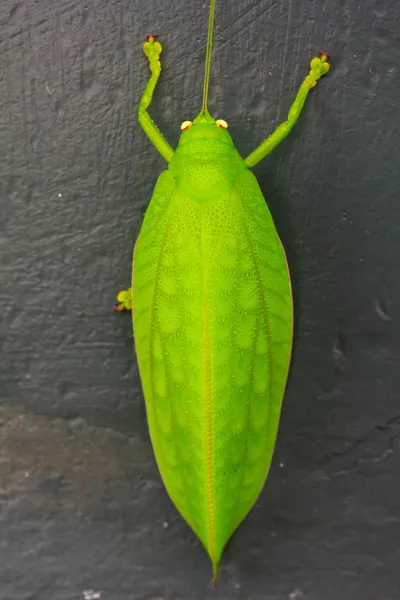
[(152, 35), (325, 54)]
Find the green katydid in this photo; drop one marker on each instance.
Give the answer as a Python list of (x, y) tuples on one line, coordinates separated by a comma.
[(212, 315)]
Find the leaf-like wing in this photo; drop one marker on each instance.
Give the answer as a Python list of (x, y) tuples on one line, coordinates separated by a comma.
[(213, 335)]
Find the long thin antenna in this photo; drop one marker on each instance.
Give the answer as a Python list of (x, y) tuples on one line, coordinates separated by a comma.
[(204, 107)]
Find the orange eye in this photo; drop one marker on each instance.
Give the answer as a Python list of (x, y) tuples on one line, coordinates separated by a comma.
[(186, 125), (221, 124)]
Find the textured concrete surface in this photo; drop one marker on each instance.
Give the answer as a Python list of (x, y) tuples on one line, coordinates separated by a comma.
[(83, 513)]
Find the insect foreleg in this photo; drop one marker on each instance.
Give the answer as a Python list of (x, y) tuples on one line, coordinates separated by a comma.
[(152, 50), (319, 67)]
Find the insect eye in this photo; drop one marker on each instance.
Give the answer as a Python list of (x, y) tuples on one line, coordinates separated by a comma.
[(221, 124), (186, 125)]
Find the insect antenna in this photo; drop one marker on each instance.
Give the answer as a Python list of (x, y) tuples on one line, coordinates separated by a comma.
[(204, 108)]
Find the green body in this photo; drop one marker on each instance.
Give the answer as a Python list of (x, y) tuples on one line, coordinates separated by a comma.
[(212, 318), (213, 334)]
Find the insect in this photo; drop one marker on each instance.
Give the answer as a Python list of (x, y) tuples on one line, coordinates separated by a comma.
[(212, 315)]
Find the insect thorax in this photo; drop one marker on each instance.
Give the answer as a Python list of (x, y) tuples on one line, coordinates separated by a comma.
[(205, 169)]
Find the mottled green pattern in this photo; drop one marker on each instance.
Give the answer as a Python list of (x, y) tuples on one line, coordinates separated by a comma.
[(212, 314), (212, 324)]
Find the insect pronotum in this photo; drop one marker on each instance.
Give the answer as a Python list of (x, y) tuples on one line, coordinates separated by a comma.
[(212, 315)]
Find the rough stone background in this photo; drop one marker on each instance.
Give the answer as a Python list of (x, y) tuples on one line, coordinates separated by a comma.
[(83, 514)]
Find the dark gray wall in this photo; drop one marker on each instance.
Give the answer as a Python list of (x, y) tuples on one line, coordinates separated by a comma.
[(82, 506)]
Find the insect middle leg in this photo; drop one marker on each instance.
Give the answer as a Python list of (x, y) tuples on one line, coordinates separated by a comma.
[(318, 68), (152, 50), (124, 300), (125, 297)]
